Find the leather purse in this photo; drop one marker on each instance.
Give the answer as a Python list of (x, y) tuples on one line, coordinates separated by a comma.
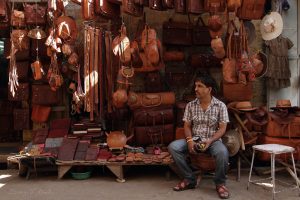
[(237, 91), (22, 93), (107, 9), (129, 7), (144, 100), (21, 119), (251, 9), (153, 116), (201, 34), (35, 14), (40, 114), (195, 6), (153, 135), (183, 36), (43, 95)]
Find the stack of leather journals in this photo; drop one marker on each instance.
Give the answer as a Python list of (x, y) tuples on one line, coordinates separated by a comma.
[(87, 128)]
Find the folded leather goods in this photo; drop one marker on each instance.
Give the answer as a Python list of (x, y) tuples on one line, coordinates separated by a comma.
[(92, 153), (81, 150), (67, 149)]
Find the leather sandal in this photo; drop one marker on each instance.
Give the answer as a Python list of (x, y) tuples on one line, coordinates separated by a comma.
[(184, 185), (222, 191)]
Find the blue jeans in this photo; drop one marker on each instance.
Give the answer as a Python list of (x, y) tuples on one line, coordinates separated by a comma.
[(179, 149)]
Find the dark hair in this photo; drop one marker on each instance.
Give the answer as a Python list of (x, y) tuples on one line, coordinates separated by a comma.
[(208, 81)]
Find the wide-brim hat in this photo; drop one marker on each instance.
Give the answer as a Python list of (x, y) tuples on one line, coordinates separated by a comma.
[(282, 104), (250, 30), (245, 106), (66, 28), (271, 26), (231, 140)]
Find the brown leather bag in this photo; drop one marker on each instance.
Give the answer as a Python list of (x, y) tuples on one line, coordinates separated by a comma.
[(40, 114), (215, 5), (144, 100), (195, 6), (153, 135), (183, 36), (153, 116), (35, 14), (180, 6), (107, 9), (22, 93), (201, 34), (251, 9), (169, 4), (43, 95), (21, 119), (18, 18), (237, 91), (129, 7), (229, 65)]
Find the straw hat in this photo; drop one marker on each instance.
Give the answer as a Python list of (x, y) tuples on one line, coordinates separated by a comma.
[(244, 106), (282, 104), (231, 140), (271, 26), (66, 28)]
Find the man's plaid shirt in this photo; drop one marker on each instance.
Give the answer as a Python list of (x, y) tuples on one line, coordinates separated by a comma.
[(205, 124)]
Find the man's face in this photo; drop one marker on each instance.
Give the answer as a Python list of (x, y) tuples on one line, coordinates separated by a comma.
[(201, 90)]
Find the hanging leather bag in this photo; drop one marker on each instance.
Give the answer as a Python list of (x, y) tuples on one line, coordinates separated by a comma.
[(39, 113), (201, 34), (195, 6), (35, 14), (107, 9), (237, 91), (229, 65), (251, 9)]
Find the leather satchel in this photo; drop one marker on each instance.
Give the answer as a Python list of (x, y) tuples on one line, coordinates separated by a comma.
[(180, 6), (35, 14), (107, 9), (131, 8), (22, 93), (195, 6), (21, 119), (251, 9), (43, 95), (201, 34), (237, 91), (153, 116), (183, 36), (40, 114), (153, 135), (146, 100)]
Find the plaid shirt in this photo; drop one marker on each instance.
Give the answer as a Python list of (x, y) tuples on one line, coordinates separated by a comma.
[(205, 123)]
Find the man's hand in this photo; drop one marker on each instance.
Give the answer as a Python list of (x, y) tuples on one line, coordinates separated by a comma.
[(207, 144), (191, 147)]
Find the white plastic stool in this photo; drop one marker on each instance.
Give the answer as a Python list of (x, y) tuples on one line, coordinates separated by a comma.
[(273, 149)]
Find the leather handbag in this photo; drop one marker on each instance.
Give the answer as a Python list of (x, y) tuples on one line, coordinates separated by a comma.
[(107, 9), (18, 18), (40, 114), (251, 9), (281, 127), (35, 14), (153, 116), (21, 119), (22, 70), (129, 7), (144, 100), (201, 34), (183, 36), (154, 135), (22, 93), (295, 142), (229, 65), (43, 95), (180, 6), (195, 6), (237, 91), (214, 5), (169, 4)]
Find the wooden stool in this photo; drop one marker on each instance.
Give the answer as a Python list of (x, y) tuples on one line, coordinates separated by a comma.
[(274, 149)]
